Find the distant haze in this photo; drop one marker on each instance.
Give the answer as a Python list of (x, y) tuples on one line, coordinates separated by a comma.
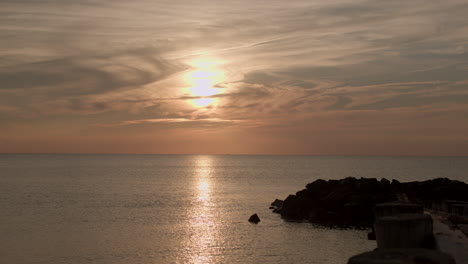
[(341, 77)]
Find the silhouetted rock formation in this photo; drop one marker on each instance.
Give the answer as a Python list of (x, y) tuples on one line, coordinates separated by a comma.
[(254, 218), (351, 200), (277, 205)]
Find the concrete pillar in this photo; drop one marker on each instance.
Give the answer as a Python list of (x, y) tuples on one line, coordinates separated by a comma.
[(404, 231), (402, 256)]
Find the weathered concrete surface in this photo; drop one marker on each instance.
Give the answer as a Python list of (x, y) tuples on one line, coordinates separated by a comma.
[(402, 256), (404, 231), (451, 241), (396, 208), (464, 229)]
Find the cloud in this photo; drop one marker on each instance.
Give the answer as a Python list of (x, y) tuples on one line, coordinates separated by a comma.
[(173, 120), (82, 83), (294, 68)]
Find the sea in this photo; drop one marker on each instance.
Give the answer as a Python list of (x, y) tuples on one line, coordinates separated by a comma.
[(77, 208)]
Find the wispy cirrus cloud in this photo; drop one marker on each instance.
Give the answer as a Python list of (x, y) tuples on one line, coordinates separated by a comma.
[(291, 69)]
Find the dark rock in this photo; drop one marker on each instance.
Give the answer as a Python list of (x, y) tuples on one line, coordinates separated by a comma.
[(306, 194), (369, 184), (254, 219), (395, 185), (277, 210), (315, 216), (331, 218), (317, 185), (295, 207), (384, 182), (352, 200), (277, 203)]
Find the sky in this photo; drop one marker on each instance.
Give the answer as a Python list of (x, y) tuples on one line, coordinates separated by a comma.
[(300, 77)]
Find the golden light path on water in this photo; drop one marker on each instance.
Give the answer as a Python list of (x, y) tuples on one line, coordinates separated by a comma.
[(203, 244), (202, 81)]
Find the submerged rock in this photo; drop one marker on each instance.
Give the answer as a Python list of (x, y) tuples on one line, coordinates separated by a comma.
[(254, 219)]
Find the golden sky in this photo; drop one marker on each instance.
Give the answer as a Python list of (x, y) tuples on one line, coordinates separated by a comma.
[(312, 77)]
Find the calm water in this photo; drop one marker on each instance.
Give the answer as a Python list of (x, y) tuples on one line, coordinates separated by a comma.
[(179, 209)]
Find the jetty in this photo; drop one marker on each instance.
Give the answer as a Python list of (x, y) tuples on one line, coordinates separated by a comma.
[(412, 222)]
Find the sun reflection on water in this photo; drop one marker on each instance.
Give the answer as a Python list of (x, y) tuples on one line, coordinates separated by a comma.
[(203, 243), (203, 189)]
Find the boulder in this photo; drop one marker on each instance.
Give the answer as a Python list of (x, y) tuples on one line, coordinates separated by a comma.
[(384, 182), (254, 218), (277, 203), (298, 208)]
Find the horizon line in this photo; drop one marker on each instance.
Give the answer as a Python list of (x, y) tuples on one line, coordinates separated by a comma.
[(229, 154)]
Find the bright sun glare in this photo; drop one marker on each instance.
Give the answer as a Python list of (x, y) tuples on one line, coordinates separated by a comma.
[(202, 81)]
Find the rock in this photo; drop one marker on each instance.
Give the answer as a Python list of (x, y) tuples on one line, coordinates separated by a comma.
[(317, 185), (395, 185), (277, 203), (369, 184), (297, 208), (385, 182), (330, 218), (315, 216), (254, 219), (351, 200)]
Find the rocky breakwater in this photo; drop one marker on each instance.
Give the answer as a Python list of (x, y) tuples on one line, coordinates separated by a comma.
[(351, 201)]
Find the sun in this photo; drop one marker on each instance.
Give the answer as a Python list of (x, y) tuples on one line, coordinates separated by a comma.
[(202, 102), (202, 81)]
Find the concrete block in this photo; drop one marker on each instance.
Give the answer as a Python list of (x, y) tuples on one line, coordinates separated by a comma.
[(404, 231), (402, 256), (464, 229)]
